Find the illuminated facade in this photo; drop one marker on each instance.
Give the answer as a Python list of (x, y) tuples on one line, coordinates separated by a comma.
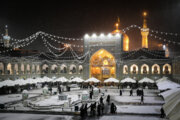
[(109, 56)]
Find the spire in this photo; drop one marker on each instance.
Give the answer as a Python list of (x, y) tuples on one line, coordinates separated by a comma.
[(6, 37), (117, 24), (6, 30), (144, 20)]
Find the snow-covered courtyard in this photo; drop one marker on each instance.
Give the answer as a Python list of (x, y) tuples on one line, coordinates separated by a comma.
[(126, 105), (65, 100)]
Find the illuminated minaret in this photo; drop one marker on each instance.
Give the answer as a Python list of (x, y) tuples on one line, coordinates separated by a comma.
[(6, 38), (144, 32), (125, 37)]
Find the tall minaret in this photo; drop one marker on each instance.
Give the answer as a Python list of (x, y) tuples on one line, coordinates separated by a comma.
[(144, 32), (6, 38)]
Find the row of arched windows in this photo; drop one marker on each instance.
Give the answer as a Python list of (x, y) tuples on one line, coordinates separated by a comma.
[(36, 69), (63, 69), (144, 69)]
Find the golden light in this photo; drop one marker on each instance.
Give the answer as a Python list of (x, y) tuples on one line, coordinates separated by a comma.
[(117, 24), (144, 14), (105, 62), (67, 45)]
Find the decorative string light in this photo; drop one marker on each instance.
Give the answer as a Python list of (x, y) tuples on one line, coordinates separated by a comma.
[(163, 39), (56, 55), (60, 37)]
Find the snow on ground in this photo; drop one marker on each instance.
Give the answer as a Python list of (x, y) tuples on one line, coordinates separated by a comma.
[(15, 97), (135, 99), (138, 109), (11, 116), (53, 100), (18, 106), (125, 92), (10, 98)]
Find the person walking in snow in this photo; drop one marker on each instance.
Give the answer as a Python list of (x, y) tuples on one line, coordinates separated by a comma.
[(108, 99), (162, 113), (82, 111), (90, 94), (131, 92), (120, 92), (102, 108), (99, 109), (142, 99), (85, 110), (137, 91), (113, 108), (101, 100)]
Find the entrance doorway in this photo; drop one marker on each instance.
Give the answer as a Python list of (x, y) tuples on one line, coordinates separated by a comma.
[(102, 65)]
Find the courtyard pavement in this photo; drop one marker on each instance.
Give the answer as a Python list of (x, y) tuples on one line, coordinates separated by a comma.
[(128, 107)]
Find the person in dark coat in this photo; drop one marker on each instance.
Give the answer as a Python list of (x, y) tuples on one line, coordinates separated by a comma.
[(82, 111), (91, 108), (90, 95), (99, 109), (162, 113), (92, 91), (59, 89), (113, 108), (85, 110), (142, 92), (101, 100), (137, 92), (131, 92), (108, 99), (102, 108), (142, 99), (120, 92), (94, 108)]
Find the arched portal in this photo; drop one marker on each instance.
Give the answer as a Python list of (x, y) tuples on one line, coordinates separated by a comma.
[(102, 65)]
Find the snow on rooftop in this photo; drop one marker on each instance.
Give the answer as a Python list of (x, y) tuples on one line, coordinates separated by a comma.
[(147, 80), (128, 80), (92, 80), (164, 84), (111, 80), (77, 79)]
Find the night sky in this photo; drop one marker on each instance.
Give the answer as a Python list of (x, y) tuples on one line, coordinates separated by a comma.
[(75, 18)]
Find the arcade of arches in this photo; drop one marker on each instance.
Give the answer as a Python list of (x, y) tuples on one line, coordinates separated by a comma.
[(102, 65)]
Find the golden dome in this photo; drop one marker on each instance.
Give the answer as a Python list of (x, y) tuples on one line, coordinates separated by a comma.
[(125, 36)]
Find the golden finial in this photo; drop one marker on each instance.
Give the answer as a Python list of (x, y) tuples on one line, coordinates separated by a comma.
[(144, 14), (117, 24), (144, 21)]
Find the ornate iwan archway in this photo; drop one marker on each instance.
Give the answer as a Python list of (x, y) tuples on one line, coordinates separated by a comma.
[(102, 65)]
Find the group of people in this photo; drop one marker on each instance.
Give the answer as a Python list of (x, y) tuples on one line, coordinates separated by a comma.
[(139, 93), (83, 110), (97, 109), (100, 109)]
